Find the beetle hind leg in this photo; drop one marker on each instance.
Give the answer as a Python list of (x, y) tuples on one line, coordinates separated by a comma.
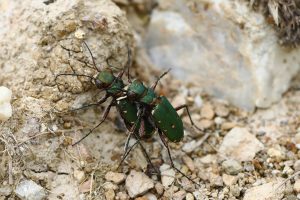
[(184, 106), (171, 160)]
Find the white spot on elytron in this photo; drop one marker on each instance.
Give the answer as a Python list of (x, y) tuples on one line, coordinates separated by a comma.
[(173, 126), (125, 111), (165, 130), (159, 122)]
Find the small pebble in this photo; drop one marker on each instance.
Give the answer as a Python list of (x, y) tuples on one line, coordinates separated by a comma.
[(5, 190), (227, 126), (168, 177), (276, 154), (297, 186), (235, 190), (28, 189), (222, 110), (198, 101), (5, 106), (138, 183), (205, 123), (297, 165), (229, 180), (115, 177), (110, 186), (207, 111), (79, 34), (79, 175), (219, 120), (122, 196), (216, 180), (178, 101), (232, 167), (287, 170), (150, 196), (189, 196), (159, 188), (110, 194), (179, 195), (85, 186), (297, 138), (240, 144), (187, 185), (189, 162)]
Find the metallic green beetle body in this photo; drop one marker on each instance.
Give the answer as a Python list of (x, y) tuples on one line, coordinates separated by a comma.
[(167, 120), (165, 117), (128, 110)]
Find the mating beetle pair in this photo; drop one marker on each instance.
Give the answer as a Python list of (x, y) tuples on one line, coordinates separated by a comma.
[(141, 109)]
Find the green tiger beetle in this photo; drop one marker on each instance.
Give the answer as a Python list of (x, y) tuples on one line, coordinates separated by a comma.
[(142, 110)]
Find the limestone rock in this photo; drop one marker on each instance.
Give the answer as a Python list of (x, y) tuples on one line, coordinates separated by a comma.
[(5, 107), (138, 183), (29, 190), (266, 191), (229, 50), (240, 145)]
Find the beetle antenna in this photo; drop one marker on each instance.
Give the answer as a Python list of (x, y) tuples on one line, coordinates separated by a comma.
[(160, 77), (91, 55)]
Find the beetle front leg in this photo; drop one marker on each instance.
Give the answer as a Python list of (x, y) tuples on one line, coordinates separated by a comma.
[(106, 112), (128, 149)]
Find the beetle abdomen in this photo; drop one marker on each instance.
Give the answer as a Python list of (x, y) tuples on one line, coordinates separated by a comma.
[(167, 120), (128, 112)]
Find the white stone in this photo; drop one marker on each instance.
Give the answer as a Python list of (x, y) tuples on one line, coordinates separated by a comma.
[(189, 196), (5, 106), (137, 183), (276, 153), (229, 180), (297, 186), (115, 177), (266, 191), (79, 175), (240, 145), (229, 50), (167, 176), (150, 196), (29, 190)]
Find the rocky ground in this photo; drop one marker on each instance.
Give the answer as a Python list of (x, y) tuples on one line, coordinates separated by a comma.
[(246, 156)]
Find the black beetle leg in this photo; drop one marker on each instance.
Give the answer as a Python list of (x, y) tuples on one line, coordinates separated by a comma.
[(128, 150), (171, 160), (188, 112), (102, 120), (102, 100)]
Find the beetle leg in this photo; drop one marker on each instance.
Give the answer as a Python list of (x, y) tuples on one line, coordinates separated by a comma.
[(188, 112), (128, 150), (171, 160), (102, 100), (102, 120)]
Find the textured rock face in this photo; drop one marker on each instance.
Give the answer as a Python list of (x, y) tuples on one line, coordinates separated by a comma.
[(35, 38), (228, 50), (241, 145)]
